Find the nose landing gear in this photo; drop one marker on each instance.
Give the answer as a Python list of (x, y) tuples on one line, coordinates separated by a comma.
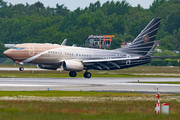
[(21, 68)]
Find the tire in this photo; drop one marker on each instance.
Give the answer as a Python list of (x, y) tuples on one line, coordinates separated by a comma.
[(87, 75), (21, 69), (72, 74)]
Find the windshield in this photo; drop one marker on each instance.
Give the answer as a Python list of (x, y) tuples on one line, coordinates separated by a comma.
[(18, 48)]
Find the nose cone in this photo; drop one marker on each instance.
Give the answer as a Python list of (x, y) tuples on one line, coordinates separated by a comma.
[(7, 53)]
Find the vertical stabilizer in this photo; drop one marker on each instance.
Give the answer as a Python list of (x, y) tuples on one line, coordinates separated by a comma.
[(145, 40), (64, 42)]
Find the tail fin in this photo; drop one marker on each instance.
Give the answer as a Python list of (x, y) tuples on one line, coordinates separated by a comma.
[(145, 40), (64, 42)]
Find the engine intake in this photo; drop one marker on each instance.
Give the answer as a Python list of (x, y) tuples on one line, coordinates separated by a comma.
[(72, 65)]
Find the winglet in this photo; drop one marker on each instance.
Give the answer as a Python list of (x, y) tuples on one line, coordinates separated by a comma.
[(64, 42)]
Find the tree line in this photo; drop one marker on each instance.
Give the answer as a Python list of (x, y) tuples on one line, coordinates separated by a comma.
[(24, 23)]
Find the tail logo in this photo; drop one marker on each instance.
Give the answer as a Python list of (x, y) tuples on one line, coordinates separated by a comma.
[(146, 38)]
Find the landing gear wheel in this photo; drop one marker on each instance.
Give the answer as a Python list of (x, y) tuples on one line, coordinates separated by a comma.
[(87, 75), (72, 74), (21, 69)]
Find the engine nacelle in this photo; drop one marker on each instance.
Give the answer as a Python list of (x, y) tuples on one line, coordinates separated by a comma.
[(72, 65), (49, 67)]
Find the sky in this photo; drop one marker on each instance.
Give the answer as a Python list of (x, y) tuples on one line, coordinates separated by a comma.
[(73, 4)]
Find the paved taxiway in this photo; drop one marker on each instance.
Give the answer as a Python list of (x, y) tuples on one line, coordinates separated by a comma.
[(93, 84)]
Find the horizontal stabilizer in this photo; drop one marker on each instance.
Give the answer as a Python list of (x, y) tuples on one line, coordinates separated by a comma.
[(162, 57), (150, 53)]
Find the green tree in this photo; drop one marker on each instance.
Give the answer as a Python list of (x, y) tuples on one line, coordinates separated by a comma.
[(173, 22), (176, 34), (95, 22), (105, 29), (134, 29), (168, 42), (118, 25), (116, 43), (161, 34), (2, 49), (128, 38)]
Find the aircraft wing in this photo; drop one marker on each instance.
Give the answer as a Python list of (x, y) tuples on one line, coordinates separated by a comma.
[(109, 60), (110, 64)]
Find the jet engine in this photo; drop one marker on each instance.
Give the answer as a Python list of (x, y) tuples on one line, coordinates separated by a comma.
[(72, 65), (49, 67)]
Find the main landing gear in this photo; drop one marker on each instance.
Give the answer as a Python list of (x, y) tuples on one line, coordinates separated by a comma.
[(74, 74), (87, 75)]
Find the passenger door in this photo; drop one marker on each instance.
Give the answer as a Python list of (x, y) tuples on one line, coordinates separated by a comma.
[(31, 50)]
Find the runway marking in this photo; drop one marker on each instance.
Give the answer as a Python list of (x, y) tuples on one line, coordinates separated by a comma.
[(94, 84), (20, 85), (147, 84)]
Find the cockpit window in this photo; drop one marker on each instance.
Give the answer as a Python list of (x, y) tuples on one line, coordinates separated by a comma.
[(18, 48)]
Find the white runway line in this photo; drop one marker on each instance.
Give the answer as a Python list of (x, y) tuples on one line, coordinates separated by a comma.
[(25, 69), (145, 84), (23, 85)]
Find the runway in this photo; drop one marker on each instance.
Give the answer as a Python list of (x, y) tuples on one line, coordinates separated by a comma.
[(26, 69), (93, 84)]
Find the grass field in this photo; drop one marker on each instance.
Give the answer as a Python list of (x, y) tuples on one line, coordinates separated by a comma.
[(110, 106), (141, 71)]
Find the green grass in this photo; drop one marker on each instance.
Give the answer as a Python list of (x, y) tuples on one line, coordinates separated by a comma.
[(109, 110), (66, 110), (136, 72), (69, 93)]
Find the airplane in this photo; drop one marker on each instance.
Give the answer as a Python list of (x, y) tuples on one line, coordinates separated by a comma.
[(76, 59)]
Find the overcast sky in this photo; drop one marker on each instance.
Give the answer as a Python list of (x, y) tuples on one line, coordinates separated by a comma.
[(73, 4)]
